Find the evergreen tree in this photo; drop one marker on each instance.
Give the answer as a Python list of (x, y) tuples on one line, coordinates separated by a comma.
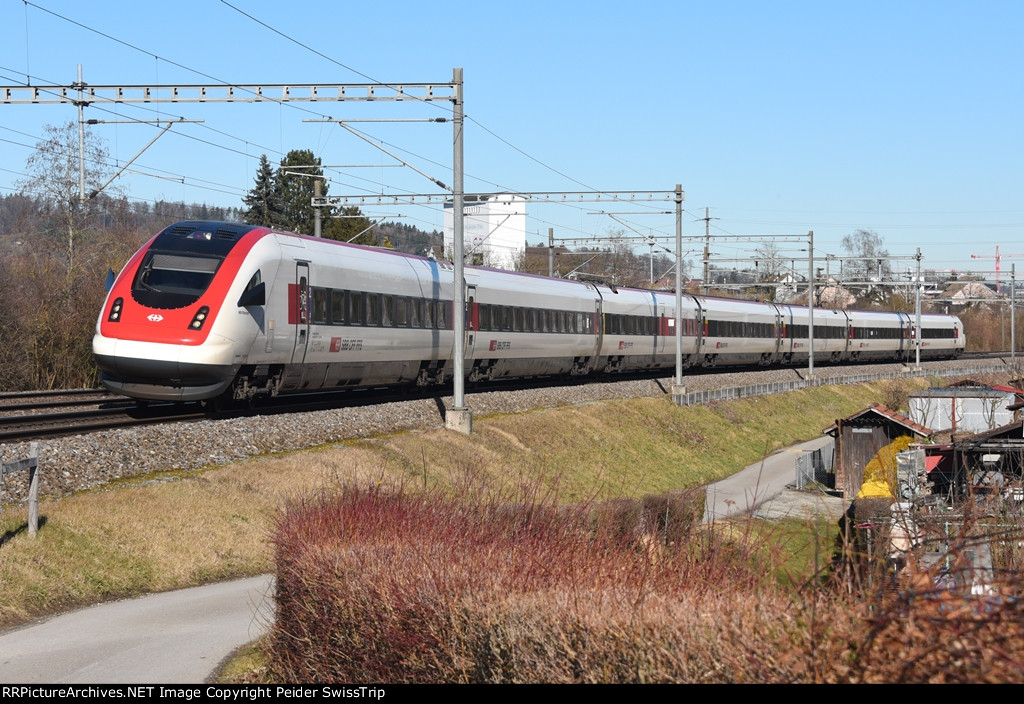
[(349, 225), (296, 183), (263, 202), (283, 199)]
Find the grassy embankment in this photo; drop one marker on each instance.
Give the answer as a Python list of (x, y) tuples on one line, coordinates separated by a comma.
[(181, 529)]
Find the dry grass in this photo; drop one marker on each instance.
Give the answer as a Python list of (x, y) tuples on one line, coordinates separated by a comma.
[(382, 585)]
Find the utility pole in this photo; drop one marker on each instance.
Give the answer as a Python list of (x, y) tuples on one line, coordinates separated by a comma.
[(317, 228), (678, 389), (707, 247), (551, 251), (458, 417), (1013, 316), (810, 304), (917, 311)]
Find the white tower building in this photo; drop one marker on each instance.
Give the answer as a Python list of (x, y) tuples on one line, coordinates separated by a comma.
[(495, 229)]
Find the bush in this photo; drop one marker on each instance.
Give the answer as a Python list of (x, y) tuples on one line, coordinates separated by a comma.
[(380, 585)]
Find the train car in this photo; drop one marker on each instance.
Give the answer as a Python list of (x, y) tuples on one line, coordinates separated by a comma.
[(210, 309)]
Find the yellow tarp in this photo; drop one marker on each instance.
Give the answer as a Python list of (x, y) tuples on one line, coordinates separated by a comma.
[(880, 474)]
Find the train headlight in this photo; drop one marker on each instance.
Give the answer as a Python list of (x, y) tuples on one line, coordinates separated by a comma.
[(115, 310), (200, 318)]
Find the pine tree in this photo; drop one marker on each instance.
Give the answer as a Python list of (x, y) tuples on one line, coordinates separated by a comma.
[(296, 185), (263, 202), (349, 225)]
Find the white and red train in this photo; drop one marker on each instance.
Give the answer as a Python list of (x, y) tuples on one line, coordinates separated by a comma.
[(207, 309)]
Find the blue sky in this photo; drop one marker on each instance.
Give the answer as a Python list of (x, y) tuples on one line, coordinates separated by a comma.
[(900, 117)]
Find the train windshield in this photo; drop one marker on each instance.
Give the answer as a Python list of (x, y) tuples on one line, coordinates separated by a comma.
[(182, 261), (173, 280)]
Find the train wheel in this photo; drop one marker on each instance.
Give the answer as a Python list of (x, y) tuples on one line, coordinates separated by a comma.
[(216, 405)]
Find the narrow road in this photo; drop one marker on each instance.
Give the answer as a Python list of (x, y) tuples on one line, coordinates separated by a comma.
[(757, 484), (172, 637)]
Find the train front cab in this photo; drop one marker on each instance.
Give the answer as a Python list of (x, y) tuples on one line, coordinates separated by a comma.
[(161, 334)]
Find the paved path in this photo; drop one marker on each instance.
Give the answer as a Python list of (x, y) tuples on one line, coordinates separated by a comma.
[(172, 637), (760, 485)]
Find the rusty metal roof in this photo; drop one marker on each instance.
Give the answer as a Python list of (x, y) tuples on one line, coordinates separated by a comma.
[(877, 409)]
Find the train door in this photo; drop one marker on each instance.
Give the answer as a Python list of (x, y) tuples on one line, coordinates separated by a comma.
[(777, 334), (847, 336), (786, 334), (299, 304), (906, 334), (472, 320)]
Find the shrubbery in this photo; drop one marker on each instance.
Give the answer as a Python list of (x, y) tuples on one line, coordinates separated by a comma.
[(382, 585)]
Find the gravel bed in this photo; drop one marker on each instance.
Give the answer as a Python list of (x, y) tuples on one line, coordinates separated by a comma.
[(79, 462)]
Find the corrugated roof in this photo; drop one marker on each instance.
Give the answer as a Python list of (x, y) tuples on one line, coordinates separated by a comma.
[(961, 392), (889, 414)]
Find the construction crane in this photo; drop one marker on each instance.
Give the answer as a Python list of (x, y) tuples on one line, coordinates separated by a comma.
[(997, 258)]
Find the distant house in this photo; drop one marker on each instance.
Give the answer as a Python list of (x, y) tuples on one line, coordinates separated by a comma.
[(967, 407), (961, 294), (835, 296)]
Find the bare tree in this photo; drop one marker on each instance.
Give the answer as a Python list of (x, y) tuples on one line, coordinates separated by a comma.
[(870, 257), (51, 312), (53, 174), (769, 261)]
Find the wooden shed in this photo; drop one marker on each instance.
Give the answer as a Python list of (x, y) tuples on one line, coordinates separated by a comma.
[(859, 437)]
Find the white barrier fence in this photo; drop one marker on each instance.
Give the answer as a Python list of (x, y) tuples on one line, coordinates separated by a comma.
[(695, 398)]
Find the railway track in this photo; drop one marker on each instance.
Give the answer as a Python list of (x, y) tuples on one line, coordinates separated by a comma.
[(36, 425), (27, 402), (33, 415)]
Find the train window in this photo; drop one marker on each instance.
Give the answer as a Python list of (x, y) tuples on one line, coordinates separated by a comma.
[(338, 307), (442, 314), (401, 311), (580, 324), (303, 300), (373, 316), (355, 308), (415, 312), (427, 318), (545, 321), (173, 280), (255, 281), (484, 316), (320, 306), (387, 310)]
